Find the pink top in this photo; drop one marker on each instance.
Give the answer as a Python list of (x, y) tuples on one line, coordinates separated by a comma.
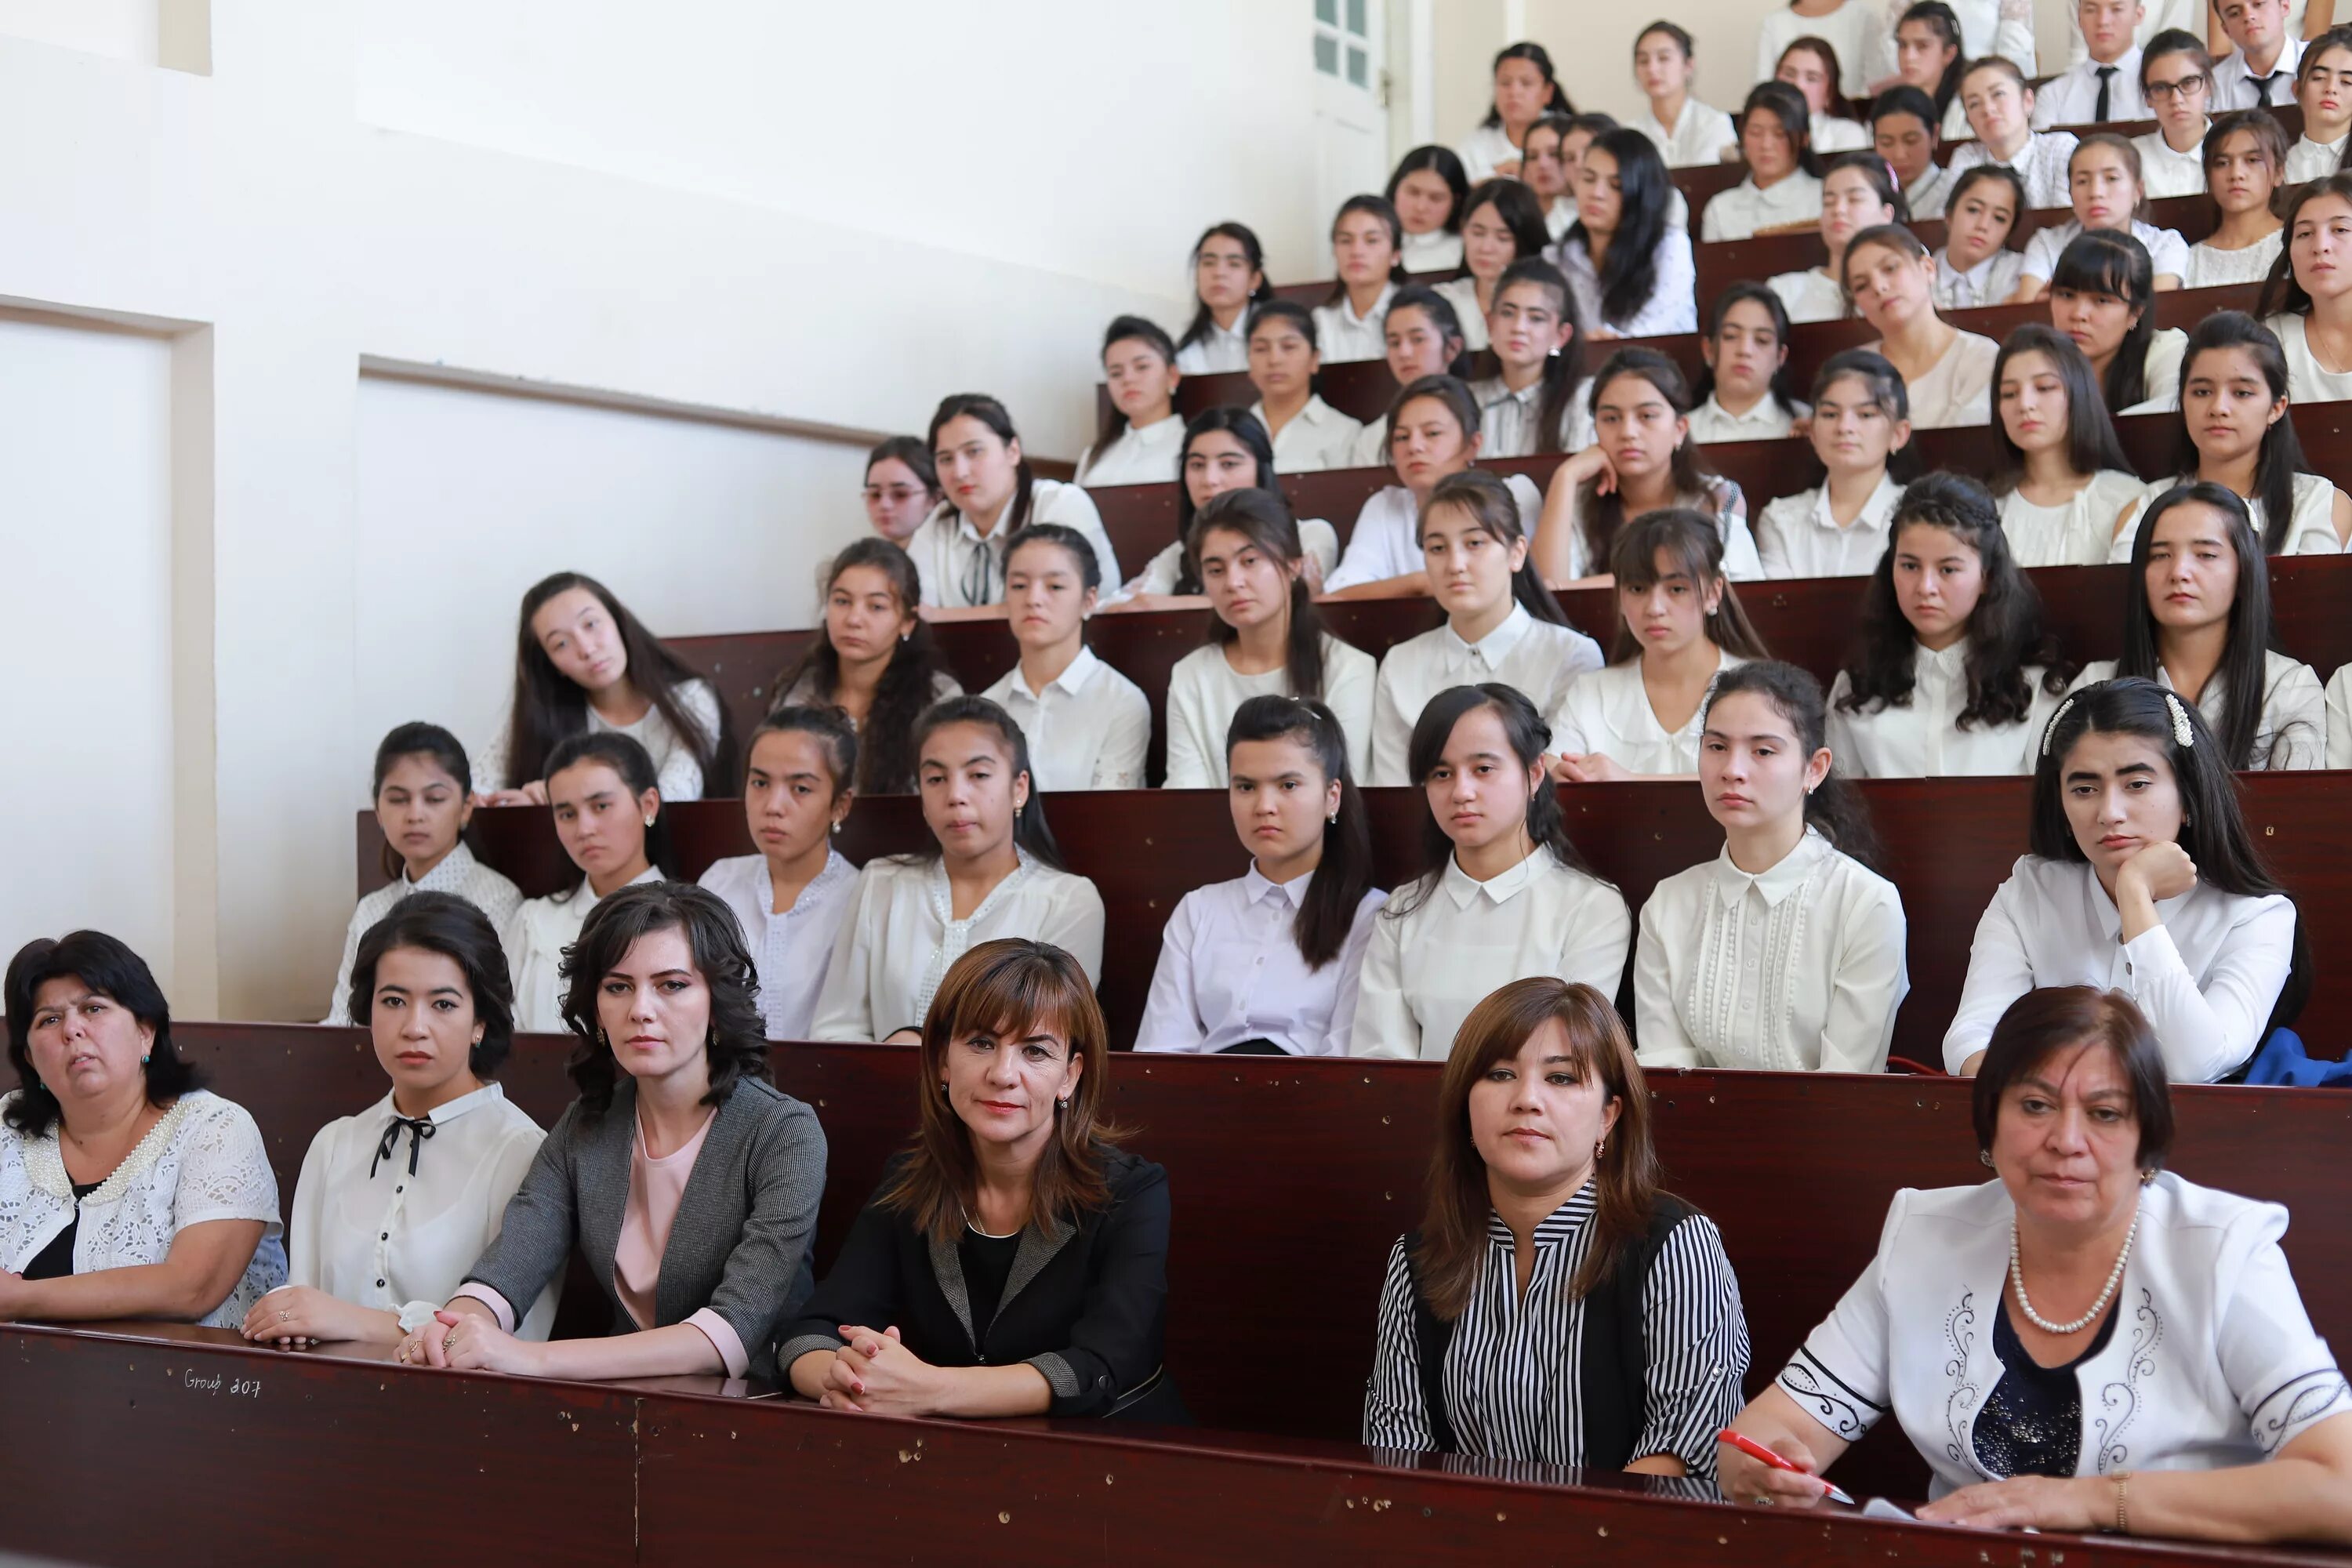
[(656, 1187)]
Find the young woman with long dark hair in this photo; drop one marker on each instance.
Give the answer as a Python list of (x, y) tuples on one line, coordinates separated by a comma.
[(1088, 726), (1433, 435), (2309, 305), (1744, 395), (1537, 399), (1428, 188), (1629, 269), (1137, 444), (2058, 473), (1946, 373), (875, 660), (1858, 191), (1525, 89), (1687, 133), (2102, 295), (1368, 255), (1225, 449), (1228, 279), (1861, 422), (1501, 226), (992, 494), (1783, 182), (1426, 336), (1903, 137), (1975, 266), (2105, 188), (2246, 157), (1286, 362)]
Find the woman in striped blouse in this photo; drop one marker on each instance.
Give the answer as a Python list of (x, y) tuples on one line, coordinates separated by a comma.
[(1555, 1306)]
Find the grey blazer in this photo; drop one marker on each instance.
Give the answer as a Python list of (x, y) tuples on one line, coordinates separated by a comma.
[(740, 1242)]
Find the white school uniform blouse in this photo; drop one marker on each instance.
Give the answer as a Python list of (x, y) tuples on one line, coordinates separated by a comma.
[(1695, 139), (1833, 133), (1927, 195), (901, 935), (2307, 381), (960, 569), (1989, 282), (1387, 540), (2212, 1364), (1923, 739), (460, 873), (2003, 28), (2235, 87), (1559, 218), (2206, 976), (1219, 351), (534, 940), (1230, 970), (1609, 711), (1797, 537), (1087, 729), (1767, 421), (1673, 304), (1721, 500), (1739, 212), (2292, 734), (1462, 293), (1164, 570), (677, 772), (2310, 529), (1811, 295), (204, 1161), (2071, 96), (1203, 690), (2077, 533), (1483, 151), (1797, 969), (789, 952), (1508, 420), (2210, 267), (1143, 455), (1318, 437), (2308, 160), (1436, 251), (2041, 164), (2161, 371), (2339, 717), (1341, 335), (1426, 969), (366, 1228), (2165, 248), (1959, 390), (1852, 31), (2165, 174), (1537, 658)]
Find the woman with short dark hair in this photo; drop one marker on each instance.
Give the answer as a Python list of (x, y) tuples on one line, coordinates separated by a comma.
[(126, 1190), (395, 1203), (671, 1062), (2086, 1341)]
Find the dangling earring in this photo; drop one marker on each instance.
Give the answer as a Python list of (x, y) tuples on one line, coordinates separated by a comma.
[(1333, 819), (2145, 1177), (1985, 1155), (1599, 1149)]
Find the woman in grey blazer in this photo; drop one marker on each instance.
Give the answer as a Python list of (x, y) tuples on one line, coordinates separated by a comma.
[(688, 1182)]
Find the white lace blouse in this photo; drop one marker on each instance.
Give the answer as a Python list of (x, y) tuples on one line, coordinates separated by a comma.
[(204, 1161)]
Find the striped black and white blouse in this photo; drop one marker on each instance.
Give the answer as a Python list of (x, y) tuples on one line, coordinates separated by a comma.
[(1513, 1367)]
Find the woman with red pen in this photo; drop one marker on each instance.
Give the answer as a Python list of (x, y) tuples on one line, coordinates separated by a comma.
[(1554, 1305), (2085, 1342)]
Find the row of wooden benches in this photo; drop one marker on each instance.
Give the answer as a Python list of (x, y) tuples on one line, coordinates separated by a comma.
[(1292, 1178), (1949, 843)]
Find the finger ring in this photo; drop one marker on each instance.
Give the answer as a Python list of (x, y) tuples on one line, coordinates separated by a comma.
[(401, 1355), (449, 1342), (1763, 1501), (283, 1316)]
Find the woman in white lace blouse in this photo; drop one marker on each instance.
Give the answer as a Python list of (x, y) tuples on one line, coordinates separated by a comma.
[(125, 1190)]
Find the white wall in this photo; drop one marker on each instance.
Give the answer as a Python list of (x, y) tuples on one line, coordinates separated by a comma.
[(126, 29), (85, 507), (699, 526)]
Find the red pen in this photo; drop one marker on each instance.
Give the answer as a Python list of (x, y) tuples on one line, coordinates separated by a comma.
[(1762, 1454)]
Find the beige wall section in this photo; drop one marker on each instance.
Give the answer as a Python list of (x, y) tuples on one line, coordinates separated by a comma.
[(1466, 35)]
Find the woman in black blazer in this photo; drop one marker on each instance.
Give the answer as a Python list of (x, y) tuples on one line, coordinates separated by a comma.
[(1012, 1262)]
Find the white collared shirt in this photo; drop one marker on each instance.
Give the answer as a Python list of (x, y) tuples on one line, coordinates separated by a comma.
[(2212, 1364), (1462, 293), (2156, 16), (1143, 455), (1387, 540), (1318, 436), (1834, 134), (1230, 970), (1506, 421), (2165, 248), (1739, 212), (789, 951), (2161, 371), (1927, 195), (2041, 164), (1538, 657), (2071, 96), (2165, 174), (2207, 974), (1922, 738), (2308, 160), (1767, 421), (1161, 574), (2339, 717), (1811, 295), (1559, 219), (1220, 350), (2307, 381), (1798, 537), (1087, 729), (2077, 533), (1695, 139), (1203, 690), (2292, 734), (1427, 968), (962, 569), (677, 769), (2003, 28), (902, 934), (2310, 528), (1989, 282), (2210, 266), (1485, 150), (1958, 389), (1798, 968), (534, 939), (1672, 303), (1341, 335), (378, 1234), (1436, 251), (1609, 711), (2234, 88), (460, 873)]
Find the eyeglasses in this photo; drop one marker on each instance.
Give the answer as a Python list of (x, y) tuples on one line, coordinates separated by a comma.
[(2186, 87)]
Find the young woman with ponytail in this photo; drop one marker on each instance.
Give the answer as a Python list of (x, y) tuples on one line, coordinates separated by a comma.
[(991, 495)]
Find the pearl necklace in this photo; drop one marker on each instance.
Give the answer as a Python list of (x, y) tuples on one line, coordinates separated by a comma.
[(2114, 1278)]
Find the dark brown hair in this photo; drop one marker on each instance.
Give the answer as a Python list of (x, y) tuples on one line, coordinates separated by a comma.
[(885, 751), (1695, 543), (106, 965), (2048, 1020), (738, 1041)]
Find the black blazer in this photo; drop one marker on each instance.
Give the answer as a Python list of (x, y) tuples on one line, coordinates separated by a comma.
[(1087, 1306)]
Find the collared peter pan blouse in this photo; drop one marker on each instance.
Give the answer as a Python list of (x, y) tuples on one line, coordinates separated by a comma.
[(1922, 738), (460, 873), (1537, 658), (791, 951)]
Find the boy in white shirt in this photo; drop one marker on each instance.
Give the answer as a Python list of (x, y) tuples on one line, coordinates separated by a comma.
[(2104, 85), (2261, 69)]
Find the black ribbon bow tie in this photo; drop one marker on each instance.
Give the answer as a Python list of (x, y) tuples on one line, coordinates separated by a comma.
[(419, 1129)]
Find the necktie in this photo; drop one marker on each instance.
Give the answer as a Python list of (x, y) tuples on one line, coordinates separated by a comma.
[(418, 1128), (2106, 75), (2262, 86)]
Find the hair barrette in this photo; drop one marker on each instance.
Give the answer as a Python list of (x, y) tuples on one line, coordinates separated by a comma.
[(2055, 719), (2183, 734)]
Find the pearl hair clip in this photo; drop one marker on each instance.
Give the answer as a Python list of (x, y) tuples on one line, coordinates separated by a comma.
[(2182, 736), (2055, 719)]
